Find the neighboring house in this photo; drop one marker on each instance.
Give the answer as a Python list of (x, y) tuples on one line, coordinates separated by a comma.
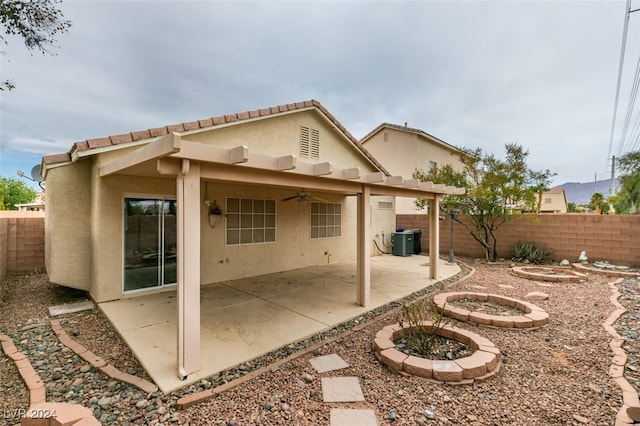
[(36, 206), (217, 199), (553, 200), (403, 149)]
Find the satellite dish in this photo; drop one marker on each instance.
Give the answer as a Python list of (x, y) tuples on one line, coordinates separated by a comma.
[(35, 173)]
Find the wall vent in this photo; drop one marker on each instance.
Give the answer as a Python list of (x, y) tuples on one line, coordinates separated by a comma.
[(309, 143)]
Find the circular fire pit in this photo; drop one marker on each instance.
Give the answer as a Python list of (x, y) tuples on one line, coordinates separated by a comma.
[(482, 364), (532, 315), (543, 273)]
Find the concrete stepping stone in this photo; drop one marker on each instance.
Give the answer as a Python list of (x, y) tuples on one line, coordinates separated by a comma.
[(330, 362), (341, 389), (350, 417), (536, 295), (67, 308)]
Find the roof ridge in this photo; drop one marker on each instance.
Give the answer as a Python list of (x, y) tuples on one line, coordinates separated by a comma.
[(407, 129), (114, 140)]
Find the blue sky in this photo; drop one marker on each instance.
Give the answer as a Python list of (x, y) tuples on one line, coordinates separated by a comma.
[(473, 73)]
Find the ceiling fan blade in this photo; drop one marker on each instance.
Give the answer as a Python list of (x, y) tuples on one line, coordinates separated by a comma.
[(290, 198), (319, 199)]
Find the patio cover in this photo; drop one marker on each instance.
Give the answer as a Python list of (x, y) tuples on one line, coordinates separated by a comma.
[(190, 162)]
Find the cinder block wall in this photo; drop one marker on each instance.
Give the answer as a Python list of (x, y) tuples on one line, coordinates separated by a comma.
[(21, 243), (4, 225), (615, 238)]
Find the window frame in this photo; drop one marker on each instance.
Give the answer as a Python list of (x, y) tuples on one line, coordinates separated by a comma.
[(252, 220), (325, 218)]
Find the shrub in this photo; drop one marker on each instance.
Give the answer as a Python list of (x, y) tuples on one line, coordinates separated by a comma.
[(420, 338), (527, 251)]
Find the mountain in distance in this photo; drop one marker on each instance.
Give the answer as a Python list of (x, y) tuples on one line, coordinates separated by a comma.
[(580, 193)]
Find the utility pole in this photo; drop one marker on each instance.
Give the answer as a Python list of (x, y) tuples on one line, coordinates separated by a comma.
[(612, 191)]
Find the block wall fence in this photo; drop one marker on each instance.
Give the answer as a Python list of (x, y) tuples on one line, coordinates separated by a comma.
[(614, 238), (21, 244)]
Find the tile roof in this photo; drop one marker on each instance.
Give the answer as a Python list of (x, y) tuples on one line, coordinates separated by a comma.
[(114, 140)]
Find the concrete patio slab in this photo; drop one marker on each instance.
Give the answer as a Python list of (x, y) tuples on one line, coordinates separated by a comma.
[(67, 308), (352, 417), (330, 362), (341, 389), (244, 319)]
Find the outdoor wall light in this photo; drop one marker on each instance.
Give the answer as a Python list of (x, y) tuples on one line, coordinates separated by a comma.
[(214, 211)]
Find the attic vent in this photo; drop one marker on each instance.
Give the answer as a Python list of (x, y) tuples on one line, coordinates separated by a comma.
[(309, 143)]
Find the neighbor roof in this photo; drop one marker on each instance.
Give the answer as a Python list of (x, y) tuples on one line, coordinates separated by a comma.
[(85, 147), (409, 130)]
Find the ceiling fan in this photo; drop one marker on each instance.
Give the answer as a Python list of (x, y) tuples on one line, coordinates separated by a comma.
[(303, 196)]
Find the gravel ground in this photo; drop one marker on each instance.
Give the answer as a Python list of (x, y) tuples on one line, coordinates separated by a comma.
[(554, 375)]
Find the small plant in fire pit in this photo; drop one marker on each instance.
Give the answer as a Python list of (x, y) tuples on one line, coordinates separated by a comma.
[(422, 337)]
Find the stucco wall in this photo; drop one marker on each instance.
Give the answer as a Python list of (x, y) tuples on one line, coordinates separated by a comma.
[(85, 219), (281, 136), (67, 225), (615, 238), (403, 152)]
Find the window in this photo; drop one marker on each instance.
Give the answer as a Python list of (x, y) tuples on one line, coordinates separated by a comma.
[(251, 221), (385, 205), (326, 220), (547, 200), (309, 143), (385, 137), (433, 165)]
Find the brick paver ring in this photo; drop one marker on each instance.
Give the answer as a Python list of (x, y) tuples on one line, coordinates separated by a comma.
[(483, 363), (532, 315), (544, 273)]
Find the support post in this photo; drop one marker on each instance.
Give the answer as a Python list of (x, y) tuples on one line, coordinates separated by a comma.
[(434, 236), (364, 247), (188, 232)]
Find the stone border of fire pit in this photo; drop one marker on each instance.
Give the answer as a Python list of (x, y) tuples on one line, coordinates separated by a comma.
[(533, 316), (546, 273), (608, 272), (479, 366)]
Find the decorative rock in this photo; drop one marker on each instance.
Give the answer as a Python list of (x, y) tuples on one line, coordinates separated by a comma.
[(429, 414), (580, 419), (85, 368), (269, 406), (536, 295), (565, 262), (307, 377), (583, 257), (104, 401), (393, 414)]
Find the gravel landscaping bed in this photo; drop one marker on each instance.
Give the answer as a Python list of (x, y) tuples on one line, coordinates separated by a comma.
[(554, 375)]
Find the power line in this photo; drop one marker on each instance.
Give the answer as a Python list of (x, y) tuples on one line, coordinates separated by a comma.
[(631, 105), (620, 67)]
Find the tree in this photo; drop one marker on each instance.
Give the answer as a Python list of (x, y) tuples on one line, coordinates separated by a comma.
[(14, 191), (495, 190), (597, 202), (628, 198), (36, 21)]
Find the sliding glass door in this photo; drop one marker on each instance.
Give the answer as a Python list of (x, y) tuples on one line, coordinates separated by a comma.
[(149, 243)]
